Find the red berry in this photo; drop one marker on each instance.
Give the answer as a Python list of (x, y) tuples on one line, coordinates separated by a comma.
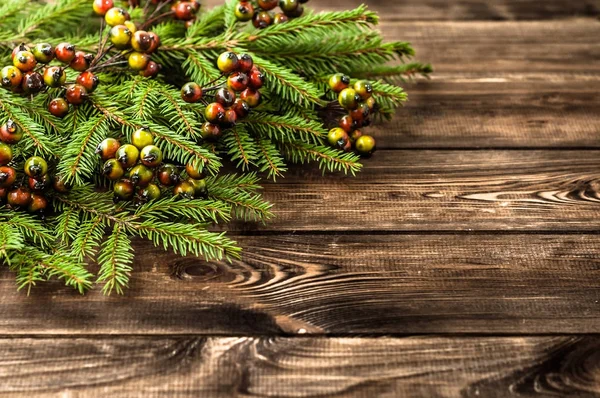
[(184, 11), (11, 77), (40, 183), (141, 41), (256, 79), (252, 97), (81, 61), (32, 83), (267, 4), (262, 20), (102, 6), (20, 197), (76, 94), (237, 81), (8, 176), (17, 49), (54, 76), (347, 124), (280, 18), (10, 132), (152, 69), (230, 117), (245, 63), (241, 108), (25, 61), (155, 42), (191, 92), (58, 107), (88, 80), (214, 113), (38, 203), (65, 52), (225, 96), (210, 131)]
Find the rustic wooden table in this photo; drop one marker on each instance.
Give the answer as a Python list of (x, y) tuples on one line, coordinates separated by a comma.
[(463, 261)]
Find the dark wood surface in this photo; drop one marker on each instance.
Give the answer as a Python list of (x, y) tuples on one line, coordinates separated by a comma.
[(463, 261)]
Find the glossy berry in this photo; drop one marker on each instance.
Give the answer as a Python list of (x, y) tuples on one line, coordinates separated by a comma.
[(11, 77), (54, 76), (244, 11), (25, 61), (149, 192), (365, 145), (251, 97), (151, 156), (168, 175), (120, 36), (155, 42), (20, 197), (8, 176), (225, 96), (361, 113), (256, 79), (364, 89), (32, 82), (131, 26), (355, 135), (116, 16), (348, 99), (142, 137), (184, 11), (58, 107), (191, 92), (10, 132), (296, 13), (38, 203), (347, 124), (245, 63), (184, 189), (65, 52), (76, 94), (262, 19), (101, 7), (124, 189), (237, 81), (199, 186), (88, 80), (60, 185), (35, 167), (241, 108), (211, 131), (228, 62), (337, 137), (230, 118), (127, 155), (6, 154), (152, 69), (280, 18), (288, 6), (194, 170), (40, 183), (81, 61), (214, 112), (108, 148), (43, 53), (141, 41), (17, 49), (339, 82), (267, 5), (141, 175), (138, 61)]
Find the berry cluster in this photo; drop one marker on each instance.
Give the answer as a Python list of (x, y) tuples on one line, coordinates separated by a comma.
[(243, 79), (260, 15), (125, 36), (359, 102), (182, 10), (185, 11), (137, 169), (28, 192)]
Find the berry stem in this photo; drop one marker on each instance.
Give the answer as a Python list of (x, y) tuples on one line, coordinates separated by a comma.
[(152, 20)]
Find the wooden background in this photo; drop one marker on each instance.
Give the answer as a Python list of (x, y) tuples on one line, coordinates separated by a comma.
[(463, 262)]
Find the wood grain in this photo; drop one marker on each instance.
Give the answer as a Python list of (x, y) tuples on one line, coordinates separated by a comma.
[(336, 284), (443, 190), (491, 10), (301, 367)]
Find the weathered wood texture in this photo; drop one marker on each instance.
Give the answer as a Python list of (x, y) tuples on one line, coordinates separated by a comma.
[(444, 190), (300, 367), (456, 10), (377, 284)]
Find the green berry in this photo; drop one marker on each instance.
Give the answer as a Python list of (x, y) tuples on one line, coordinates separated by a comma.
[(6, 154), (151, 156), (227, 62), (184, 189), (349, 99), (43, 53), (116, 16), (124, 189), (107, 149), (244, 11), (54, 76), (336, 135), (338, 82), (112, 169), (142, 137), (365, 145), (199, 186), (127, 155), (11, 77), (36, 167), (120, 36), (364, 89), (168, 175), (149, 192), (141, 175)]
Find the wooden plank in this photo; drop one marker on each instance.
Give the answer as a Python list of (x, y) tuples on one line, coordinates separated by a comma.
[(492, 10), (472, 114), (443, 190), (336, 284), (300, 367)]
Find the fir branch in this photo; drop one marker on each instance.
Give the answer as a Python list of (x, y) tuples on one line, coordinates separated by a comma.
[(271, 160), (239, 192), (241, 147), (286, 127), (200, 211), (208, 23), (329, 159), (10, 240), (68, 12), (199, 69), (32, 228), (115, 259), (88, 237), (171, 107), (393, 74)]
